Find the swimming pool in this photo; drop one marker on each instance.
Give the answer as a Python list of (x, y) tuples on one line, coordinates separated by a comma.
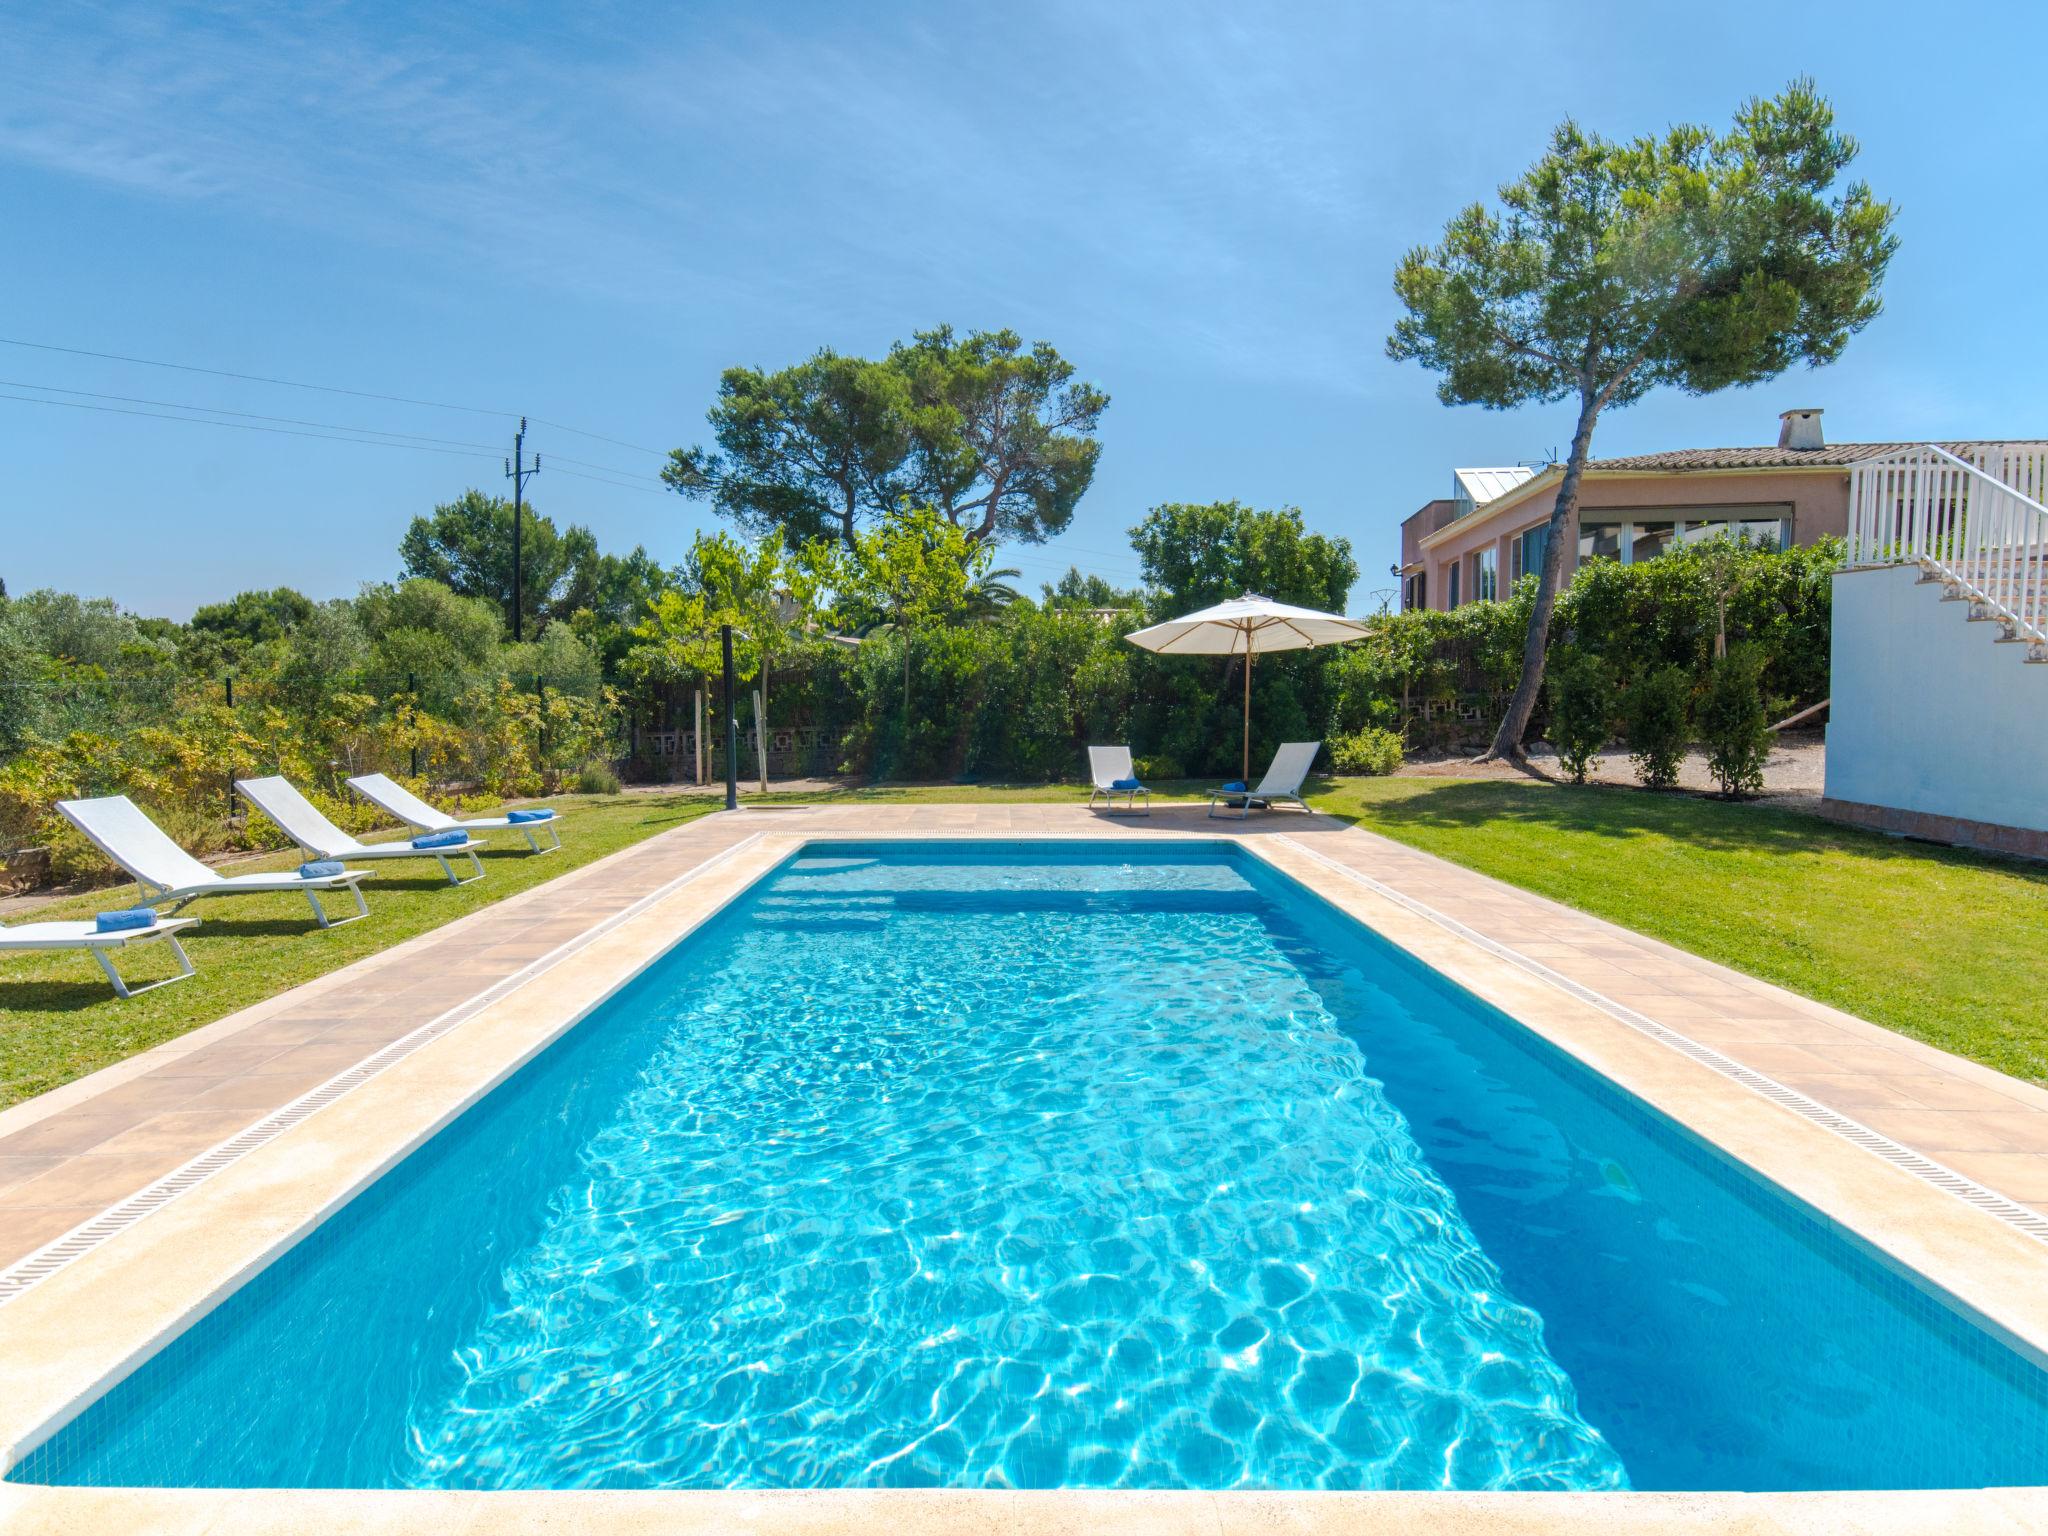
[(1050, 1165)]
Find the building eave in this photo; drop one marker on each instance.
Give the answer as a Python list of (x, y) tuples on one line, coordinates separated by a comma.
[(1479, 516), (1555, 473)]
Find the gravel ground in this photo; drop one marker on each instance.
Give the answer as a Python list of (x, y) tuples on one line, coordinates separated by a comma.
[(1793, 777)]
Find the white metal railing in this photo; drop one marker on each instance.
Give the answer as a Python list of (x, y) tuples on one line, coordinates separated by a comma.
[(1981, 527)]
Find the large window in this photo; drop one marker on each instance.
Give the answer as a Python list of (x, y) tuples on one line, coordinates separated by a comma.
[(1631, 537), (1529, 549), (1452, 591), (1485, 576), (1600, 541)]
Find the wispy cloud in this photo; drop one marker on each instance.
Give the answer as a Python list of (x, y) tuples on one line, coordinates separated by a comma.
[(1109, 164)]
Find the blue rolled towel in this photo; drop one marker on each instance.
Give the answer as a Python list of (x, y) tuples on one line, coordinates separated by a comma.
[(123, 922), (517, 818), (1234, 787), (454, 837), (320, 867), (1125, 784)]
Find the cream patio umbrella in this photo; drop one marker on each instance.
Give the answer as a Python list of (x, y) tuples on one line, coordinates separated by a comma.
[(1245, 626)]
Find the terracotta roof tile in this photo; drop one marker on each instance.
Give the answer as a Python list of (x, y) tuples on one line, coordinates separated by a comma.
[(1833, 456)]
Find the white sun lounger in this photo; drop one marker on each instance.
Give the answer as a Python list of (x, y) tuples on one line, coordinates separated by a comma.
[(76, 934), (304, 824), (1283, 781), (1108, 764), (382, 790), (167, 873)]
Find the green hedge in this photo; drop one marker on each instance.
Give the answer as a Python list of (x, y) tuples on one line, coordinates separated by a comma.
[(1020, 697)]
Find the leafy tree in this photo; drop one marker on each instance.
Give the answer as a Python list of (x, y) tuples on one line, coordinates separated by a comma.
[(806, 452), (1197, 555), (558, 661), (1004, 439), (75, 631), (1696, 260), (1075, 590), (326, 646), (1654, 712), (999, 439), (916, 568), (674, 643), (422, 629), (606, 596), (1733, 724), (1581, 711), (768, 598), (251, 618), (466, 545)]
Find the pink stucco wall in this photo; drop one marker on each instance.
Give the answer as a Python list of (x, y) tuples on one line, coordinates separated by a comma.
[(1818, 499)]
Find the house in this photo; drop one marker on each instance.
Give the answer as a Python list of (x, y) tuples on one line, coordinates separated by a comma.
[(1477, 542)]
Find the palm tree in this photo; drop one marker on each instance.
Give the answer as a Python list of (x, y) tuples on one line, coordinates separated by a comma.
[(990, 594)]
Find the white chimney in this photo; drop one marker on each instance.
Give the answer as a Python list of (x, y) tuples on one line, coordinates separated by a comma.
[(1800, 430)]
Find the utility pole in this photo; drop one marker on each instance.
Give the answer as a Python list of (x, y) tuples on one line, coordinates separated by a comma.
[(518, 472)]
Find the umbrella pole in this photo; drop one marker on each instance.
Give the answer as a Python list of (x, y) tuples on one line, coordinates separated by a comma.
[(1246, 771)]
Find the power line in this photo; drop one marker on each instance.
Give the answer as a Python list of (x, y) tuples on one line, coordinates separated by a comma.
[(215, 410), (555, 467), (631, 474), (599, 437), (326, 389), (243, 426)]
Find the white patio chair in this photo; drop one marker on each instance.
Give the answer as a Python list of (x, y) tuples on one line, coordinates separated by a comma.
[(386, 792), (303, 822), (1108, 766), (1283, 781), (167, 873), (84, 934)]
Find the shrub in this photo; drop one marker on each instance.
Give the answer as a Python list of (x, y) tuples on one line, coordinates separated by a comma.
[(1369, 751), (1655, 711), (1160, 765), (1581, 710), (597, 777), (1732, 722)]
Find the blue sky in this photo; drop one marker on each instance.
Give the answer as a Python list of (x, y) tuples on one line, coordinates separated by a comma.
[(584, 213)]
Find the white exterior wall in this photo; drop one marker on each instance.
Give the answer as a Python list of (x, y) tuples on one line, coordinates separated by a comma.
[(1929, 715)]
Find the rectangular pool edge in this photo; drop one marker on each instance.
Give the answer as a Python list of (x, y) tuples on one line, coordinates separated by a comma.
[(360, 1143)]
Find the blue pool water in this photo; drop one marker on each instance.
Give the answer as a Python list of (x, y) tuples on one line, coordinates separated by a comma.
[(1036, 1166)]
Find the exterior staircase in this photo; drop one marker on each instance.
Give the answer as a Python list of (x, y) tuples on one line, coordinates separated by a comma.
[(1977, 529)]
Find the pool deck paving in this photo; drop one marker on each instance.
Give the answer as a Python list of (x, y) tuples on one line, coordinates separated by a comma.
[(494, 987)]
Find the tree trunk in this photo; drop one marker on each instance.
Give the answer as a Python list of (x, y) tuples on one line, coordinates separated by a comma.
[(1507, 741), (675, 715), (761, 725)]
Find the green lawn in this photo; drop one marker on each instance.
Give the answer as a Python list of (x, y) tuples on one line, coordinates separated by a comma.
[(1949, 947), (59, 1019), (1946, 946)]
